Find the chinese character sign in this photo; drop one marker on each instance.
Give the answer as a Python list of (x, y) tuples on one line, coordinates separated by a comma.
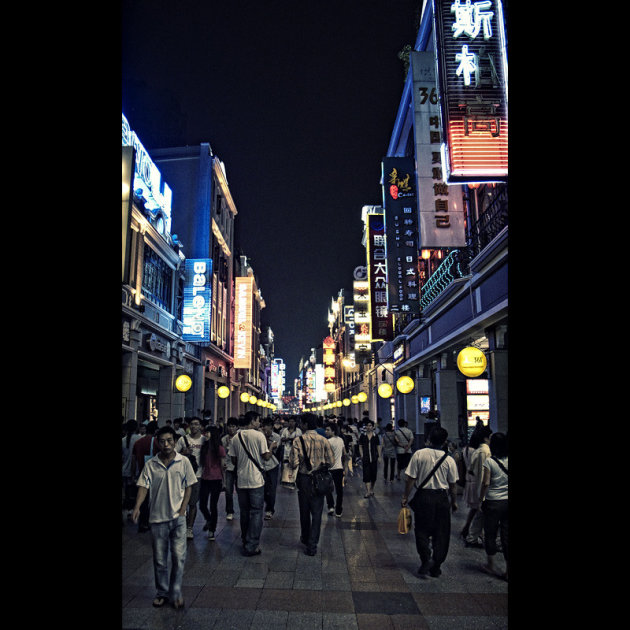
[(381, 319), (472, 77), (196, 310), (243, 316), (329, 364), (401, 228), (440, 206)]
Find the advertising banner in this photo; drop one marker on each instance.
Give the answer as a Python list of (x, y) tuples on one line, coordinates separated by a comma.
[(196, 312), (441, 208), (243, 315), (401, 227), (381, 319)]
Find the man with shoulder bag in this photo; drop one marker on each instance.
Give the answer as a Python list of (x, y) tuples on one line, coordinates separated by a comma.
[(310, 454), (434, 475)]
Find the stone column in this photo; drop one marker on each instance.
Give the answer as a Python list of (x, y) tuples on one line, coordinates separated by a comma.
[(165, 395), (446, 393)]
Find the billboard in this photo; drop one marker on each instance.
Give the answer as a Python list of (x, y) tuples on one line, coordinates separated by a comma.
[(472, 80), (441, 208), (401, 227), (329, 364), (243, 317), (381, 319), (196, 310)]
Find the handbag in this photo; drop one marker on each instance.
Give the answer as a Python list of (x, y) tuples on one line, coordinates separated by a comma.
[(321, 480), (404, 520), (288, 476), (192, 458), (414, 503)]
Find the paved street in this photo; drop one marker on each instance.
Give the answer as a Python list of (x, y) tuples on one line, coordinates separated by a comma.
[(363, 576)]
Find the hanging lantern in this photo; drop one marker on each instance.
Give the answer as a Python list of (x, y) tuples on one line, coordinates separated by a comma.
[(385, 390), (244, 397), (362, 396), (471, 361), (354, 399), (252, 400), (405, 384), (346, 402), (183, 383), (223, 391)]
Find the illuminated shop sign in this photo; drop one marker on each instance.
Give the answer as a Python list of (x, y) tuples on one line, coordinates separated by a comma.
[(440, 206), (362, 319), (472, 78), (243, 308), (382, 328), (401, 226), (196, 310), (329, 364), (147, 182)]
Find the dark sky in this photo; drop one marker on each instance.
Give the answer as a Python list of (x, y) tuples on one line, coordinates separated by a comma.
[(299, 101)]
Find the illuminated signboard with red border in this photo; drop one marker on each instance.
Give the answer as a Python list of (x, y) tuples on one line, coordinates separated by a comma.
[(472, 78), (382, 328)]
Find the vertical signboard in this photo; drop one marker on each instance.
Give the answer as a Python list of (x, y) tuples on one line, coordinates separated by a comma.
[(440, 206), (196, 311), (243, 310), (401, 227), (362, 320), (329, 364), (472, 77), (127, 195), (382, 326)]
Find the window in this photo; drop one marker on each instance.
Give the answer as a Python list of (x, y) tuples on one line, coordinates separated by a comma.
[(157, 278)]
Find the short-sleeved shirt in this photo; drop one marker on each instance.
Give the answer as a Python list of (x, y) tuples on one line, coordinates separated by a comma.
[(166, 485), (422, 463), (195, 445), (212, 470), (338, 447), (248, 474), (405, 436), (498, 488), (272, 462), (318, 450)]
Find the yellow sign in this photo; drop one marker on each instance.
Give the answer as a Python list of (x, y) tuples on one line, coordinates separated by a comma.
[(405, 384), (471, 361), (183, 383), (243, 315), (223, 391)]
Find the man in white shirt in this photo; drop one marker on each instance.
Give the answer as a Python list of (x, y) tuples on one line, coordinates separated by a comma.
[(248, 450), (432, 516), (167, 479), (404, 443), (339, 451), (271, 467)]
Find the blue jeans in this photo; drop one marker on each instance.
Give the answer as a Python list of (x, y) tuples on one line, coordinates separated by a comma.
[(169, 536), (250, 503)]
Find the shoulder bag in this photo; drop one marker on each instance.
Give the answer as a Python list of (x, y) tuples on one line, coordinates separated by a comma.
[(240, 437), (321, 479), (192, 458), (416, 497)]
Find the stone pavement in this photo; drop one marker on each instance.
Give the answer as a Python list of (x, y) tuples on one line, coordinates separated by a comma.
[(363, 576)]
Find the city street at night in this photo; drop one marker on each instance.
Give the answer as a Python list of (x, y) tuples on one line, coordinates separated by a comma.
[(364, 575)]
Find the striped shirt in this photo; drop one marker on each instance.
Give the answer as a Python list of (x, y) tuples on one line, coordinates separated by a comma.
[(318, 450)]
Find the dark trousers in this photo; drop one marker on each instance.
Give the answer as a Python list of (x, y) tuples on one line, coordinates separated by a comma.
[(271, 487), (210, 489), (432, 525), (311, 508), (403, 461), (392, 465), (337, 475), (495, 519)]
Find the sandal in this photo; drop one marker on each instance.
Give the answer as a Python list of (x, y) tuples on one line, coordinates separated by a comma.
[(178, 603), (159, 601)]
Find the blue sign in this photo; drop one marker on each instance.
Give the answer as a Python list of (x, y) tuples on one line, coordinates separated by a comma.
[(196, 314)]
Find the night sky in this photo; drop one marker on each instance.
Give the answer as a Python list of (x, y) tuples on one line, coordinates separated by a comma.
[(299, 101)]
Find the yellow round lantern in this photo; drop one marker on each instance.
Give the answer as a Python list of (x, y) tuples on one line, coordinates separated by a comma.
[(223, 391), (385, 390), (253, 399), (405, 384), (183, 383), (339, 403), (346, 402), (471, 361), (244, 397), (362, 396), (354, 399)]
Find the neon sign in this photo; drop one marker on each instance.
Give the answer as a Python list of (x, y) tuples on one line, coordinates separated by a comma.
[(197, 299), (147, 180), (243, 306), (472, 79)]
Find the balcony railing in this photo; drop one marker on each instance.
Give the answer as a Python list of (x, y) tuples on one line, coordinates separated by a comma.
[(457, 262)]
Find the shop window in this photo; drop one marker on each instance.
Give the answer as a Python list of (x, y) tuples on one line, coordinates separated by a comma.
[(157, 278)]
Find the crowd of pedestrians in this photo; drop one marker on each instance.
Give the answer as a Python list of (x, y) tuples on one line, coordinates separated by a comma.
[(172, 472)]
